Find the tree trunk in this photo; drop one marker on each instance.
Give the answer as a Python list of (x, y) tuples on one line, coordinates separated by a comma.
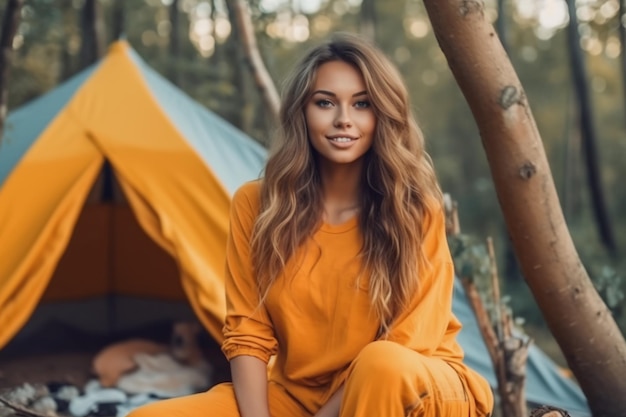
[(579, 75), (118, 17), (262, 78), (235, 56), (501, 26), (511, 266), (10, 22), (92, 47), (174, 44), (622, 37), (67, 60), (368, 19), (571, 201), (578, 318)]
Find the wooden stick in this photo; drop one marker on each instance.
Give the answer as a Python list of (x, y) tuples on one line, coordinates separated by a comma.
[(262, 78), (20, 409), (495, 285), (484, 323)]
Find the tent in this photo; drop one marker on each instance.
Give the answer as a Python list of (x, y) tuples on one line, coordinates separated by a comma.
[(66, 254), (177, 165)]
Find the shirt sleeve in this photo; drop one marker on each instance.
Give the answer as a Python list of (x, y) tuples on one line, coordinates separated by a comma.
[(427, 325), (248, 329)]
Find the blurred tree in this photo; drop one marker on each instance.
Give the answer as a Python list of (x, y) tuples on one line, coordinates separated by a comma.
[(263, 80), (68, 38), (501, 24), (118, 20), (621, 22), (577, 316), (174, 42), (585, 119), (93, 39), (10, 21), (236, 59), (368, 19)]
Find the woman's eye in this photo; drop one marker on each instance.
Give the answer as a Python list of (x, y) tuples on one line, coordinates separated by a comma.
[(323, 103), (363, 104)]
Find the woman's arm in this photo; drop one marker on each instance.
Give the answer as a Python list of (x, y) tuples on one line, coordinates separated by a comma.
[(250, 381), (331, 408)]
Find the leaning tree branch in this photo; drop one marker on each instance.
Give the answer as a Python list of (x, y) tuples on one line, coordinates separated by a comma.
[(20, 409), (262, 78), (576, 315)]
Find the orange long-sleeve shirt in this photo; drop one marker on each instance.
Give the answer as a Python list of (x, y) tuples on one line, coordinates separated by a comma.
[(317, 316)]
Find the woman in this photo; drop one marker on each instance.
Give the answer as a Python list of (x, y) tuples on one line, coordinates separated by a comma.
[(337, 261)]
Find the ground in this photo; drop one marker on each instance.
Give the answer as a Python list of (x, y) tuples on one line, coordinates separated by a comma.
[(69, 367)]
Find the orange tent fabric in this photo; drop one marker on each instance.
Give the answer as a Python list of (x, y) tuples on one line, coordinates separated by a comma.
[(176, 163)]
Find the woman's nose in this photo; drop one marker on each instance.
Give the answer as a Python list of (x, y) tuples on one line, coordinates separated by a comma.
[(342, 118)]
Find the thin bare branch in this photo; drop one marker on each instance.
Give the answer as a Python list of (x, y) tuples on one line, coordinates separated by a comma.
[(262, 78), (20, 409)]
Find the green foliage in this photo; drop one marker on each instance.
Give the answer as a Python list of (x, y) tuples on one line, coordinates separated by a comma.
[(471, 260), (472, 263)]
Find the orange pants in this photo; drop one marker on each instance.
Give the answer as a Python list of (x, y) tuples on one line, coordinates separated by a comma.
[(386, 380)]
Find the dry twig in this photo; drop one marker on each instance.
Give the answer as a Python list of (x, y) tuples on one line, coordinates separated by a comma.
[(20, 409)]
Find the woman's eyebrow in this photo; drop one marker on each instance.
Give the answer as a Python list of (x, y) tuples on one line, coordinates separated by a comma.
[(330, 93)]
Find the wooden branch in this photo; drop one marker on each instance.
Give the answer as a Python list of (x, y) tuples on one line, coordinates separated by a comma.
[(262, 78), (508, 353), (20, 409), (578, 318), (484, 324), (513, 351), (10, 22), (495, 286)]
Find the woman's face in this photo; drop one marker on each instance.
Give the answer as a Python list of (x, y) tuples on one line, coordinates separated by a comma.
[(339, 117)]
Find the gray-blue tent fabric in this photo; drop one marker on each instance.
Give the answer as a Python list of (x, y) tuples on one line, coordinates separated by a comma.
[(24, 125), (544, 383), (234, 161)]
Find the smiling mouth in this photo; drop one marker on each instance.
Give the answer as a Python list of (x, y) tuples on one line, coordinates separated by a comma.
[(342, 139)]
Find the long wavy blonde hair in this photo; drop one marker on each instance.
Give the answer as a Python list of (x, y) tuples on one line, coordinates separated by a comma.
[(398, 180)]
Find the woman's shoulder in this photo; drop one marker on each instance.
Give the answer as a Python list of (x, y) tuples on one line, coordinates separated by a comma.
[(248, 194), (249, 188)]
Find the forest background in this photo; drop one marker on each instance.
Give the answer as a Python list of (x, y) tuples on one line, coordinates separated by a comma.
[(195, 45)]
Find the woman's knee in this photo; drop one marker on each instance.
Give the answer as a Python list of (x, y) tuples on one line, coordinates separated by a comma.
[(384, 360), (218, 401)]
